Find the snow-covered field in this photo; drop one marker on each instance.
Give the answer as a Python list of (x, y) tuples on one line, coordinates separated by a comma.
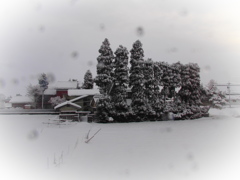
[(204, 149)]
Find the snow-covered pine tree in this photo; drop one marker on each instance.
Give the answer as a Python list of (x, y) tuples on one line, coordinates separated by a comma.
[(175, 78), (136, 82), (165, 80), (88, 80), (190, 91), (157, 99), (104, 68), (119, 90), (148, 72), (54, 101), (175, 82), (185, 91), (104, 80), (195, 84), (104, 109)]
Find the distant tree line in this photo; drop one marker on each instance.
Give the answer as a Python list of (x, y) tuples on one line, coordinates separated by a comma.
[(159, 90)]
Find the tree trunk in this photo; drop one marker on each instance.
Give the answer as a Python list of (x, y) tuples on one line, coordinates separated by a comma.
[(42, 98)]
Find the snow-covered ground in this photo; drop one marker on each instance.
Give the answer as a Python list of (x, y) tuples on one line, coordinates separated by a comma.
[(204, 149)]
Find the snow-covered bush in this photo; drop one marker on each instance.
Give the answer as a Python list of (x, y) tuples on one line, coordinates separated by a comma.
[(218, 99), (34, 92), (54, 101), (212, 97)]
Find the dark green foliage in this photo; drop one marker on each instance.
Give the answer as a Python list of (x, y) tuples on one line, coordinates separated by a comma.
[(104, 81), (190, 89), (119, 90), (171, 78), (136, 82), (88, 80), (145, 80), (175, 78), (165, 79), (104, 109), (104, 67), (158, 103), (149, 82)]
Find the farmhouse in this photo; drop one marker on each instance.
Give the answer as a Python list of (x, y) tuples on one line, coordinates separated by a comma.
[(79, 100), (60, 88)]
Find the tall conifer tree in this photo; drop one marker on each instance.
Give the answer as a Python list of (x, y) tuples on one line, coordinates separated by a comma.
[(137, 82), (158, 98), (119, 91), (105, 68), (148, 71), (104, 81)]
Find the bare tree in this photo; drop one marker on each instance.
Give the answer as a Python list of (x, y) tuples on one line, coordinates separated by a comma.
[(33, 92)]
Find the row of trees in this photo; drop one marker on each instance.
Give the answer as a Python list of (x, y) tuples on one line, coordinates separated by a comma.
[(158, 89)]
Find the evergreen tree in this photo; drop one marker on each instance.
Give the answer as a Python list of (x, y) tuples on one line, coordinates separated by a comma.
[(190, 91), (157, 97), (119, 91), (165, 79), (175, 78), (195, 84), (136, 82), (104, 81), (105, 68), (88, 80), (148, 71), (104, 109)]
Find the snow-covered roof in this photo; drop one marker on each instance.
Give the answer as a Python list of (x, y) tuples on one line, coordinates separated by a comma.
[(80, 92), (66, 85), (21, 99), (50, 92), (70, 102)]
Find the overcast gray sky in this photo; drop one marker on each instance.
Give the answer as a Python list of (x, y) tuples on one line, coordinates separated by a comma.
[(62, 37)]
